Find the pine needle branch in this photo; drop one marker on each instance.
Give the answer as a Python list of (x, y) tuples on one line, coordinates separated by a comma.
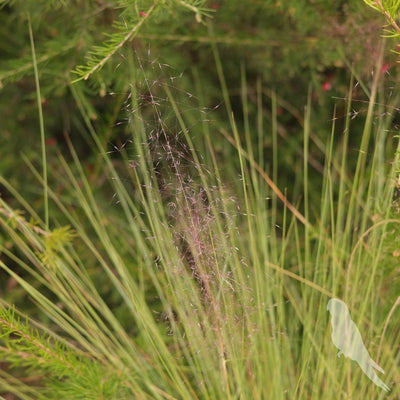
[(389, 10), (98, 63)]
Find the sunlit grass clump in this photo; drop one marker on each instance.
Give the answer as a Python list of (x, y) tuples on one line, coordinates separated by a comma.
[(190, 285)]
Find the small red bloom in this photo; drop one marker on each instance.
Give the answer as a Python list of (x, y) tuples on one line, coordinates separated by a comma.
[(327, 85), (385, 68), (50, 141), (142, 14)]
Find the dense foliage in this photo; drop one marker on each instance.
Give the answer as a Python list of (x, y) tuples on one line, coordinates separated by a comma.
[(183, 186)]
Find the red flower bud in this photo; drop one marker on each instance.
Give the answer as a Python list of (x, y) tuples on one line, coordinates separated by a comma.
[(327, 85)]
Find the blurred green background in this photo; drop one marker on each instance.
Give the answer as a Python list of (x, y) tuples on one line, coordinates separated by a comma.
[(289, 47)]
